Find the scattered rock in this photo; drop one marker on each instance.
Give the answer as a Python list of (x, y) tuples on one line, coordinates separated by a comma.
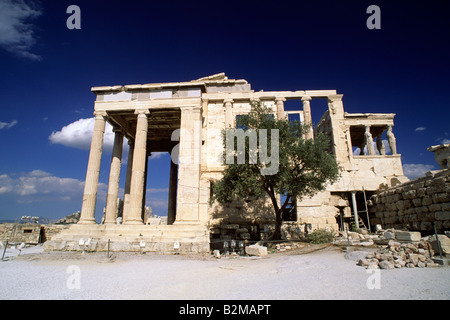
[(386, 265), (444, 241), (256, 250), (396, 255), (407, 235)]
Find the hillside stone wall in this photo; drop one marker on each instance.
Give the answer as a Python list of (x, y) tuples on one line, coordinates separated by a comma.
[(414, 205)]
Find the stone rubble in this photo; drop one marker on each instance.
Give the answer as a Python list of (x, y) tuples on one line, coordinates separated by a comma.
[(399, 255)]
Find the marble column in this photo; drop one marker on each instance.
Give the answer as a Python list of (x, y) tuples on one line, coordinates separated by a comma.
[(391, 140), (228, 104), (189, 165), (173, 183), (279, 101), (144, 192), (307, 117), (126, 196), (380, 145), (355, 209), (134, 215), (87, 215), (369, 141), (114, 177)]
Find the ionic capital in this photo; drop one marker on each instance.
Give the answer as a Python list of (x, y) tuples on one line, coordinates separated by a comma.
[(197, 108), (102, 114), (117, 129), (306, 99), (142, 112), (335, 97), (280, 99)]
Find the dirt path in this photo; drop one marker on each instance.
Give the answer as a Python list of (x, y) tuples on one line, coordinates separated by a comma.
[(316, 272)]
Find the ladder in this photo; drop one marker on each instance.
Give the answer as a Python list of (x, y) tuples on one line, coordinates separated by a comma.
[(361, 223)]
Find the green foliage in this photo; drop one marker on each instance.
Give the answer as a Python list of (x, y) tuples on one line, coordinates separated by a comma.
[(304, 166), (320, 236)]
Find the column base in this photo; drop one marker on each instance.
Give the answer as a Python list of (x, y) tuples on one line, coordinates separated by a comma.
[(87, 221), (135, 222)]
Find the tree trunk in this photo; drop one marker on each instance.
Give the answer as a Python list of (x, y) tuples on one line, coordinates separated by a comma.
[(278, 222)]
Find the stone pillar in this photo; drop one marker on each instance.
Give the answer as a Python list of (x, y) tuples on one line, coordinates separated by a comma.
[(369, 141), (144, 192), (355, 209), (307, 116), (338, 140), (189, 165), (173, 183), (380, 145), (279, 101), (391, 140), (87, 215), (228, 105), (126, 196), (134, 215), (114, 177)]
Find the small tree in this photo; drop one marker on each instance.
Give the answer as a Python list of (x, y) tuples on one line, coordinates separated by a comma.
[(297, 167)]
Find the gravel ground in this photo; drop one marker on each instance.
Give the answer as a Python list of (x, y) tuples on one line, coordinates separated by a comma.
[(323, 274)]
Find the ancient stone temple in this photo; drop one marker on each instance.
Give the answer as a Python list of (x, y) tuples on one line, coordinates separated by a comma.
[(186, 119)]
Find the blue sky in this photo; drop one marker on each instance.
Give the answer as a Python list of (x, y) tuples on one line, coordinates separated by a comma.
[(47, 71)]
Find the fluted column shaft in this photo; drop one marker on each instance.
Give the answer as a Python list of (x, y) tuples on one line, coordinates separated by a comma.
[(87, 215), (138, 169), (307, 117), (114, 177)]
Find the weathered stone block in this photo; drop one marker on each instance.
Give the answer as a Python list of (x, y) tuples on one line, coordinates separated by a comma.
[(426, 200), (255, 250), (417, 202), (442, 215), (407, 235)]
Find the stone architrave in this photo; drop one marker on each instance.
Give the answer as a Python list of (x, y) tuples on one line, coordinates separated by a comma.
[(92, 174), (134, 215), (114, 177)]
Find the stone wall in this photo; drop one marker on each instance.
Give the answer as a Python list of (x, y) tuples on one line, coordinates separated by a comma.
[(414, 205)]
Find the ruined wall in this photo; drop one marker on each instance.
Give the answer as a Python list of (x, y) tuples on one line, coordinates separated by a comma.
[(14, 232), (414, 205)]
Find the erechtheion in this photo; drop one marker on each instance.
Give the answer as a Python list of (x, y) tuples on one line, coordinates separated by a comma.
[(186, 119)]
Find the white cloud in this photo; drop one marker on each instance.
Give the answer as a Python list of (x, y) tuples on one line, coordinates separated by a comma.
[(414, 171), (157, 155), (420, 129), (7, 125), (39, 185), (16, 34), (78, 135)]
